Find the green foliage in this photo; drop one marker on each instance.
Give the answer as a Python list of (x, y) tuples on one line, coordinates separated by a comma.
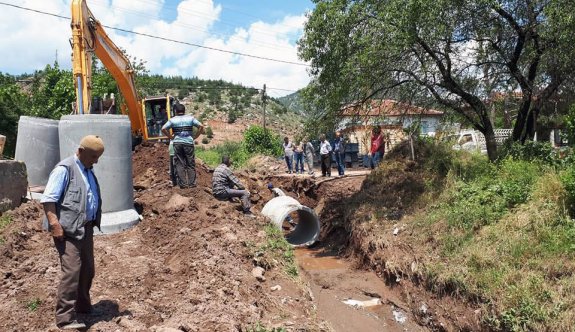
[(209, 132), (5, 220), (235, 150), (232, 115), (52, 93), (262, 141), (182, 93), (33, 304), (259, 327), (12, 106), (568, 180), (531, 151), (409, 51), (276, 251)]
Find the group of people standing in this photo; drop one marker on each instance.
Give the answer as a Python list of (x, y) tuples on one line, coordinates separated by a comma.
[(300, 152), (304, 151)]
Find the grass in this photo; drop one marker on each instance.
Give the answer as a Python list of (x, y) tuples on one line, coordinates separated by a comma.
[(213, 156), (504, 239), (276, 251), (498, 235), (5, 220), (33, 304), (258, 327)]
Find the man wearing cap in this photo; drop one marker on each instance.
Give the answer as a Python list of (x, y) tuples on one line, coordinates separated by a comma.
[(182, 126), (73, 207)]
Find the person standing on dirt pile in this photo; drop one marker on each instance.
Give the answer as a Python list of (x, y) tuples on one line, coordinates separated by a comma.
[(73, 207), (173, 176), (308, 153), (298, 151), (325, 155), (223, 183), (377, 146), (339, 151), (182, 126), (288, 153)]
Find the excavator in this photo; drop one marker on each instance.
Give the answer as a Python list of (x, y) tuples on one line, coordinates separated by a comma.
[(147, 115)]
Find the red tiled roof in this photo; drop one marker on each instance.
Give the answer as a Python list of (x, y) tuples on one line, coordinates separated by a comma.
[(387, 107)]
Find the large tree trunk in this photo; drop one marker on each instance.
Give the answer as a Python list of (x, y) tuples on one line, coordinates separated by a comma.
[(490, 142), (521, 120)]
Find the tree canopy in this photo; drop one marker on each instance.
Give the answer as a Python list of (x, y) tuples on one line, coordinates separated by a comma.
[(457, 53)]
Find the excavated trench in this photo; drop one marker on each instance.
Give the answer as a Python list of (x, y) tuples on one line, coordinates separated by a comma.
[(346, 295)]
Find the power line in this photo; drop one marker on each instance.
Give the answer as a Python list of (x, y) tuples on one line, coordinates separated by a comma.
[(164, 38), (197, 28)]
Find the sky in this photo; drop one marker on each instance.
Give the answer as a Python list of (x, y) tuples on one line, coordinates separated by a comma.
[(263, 28)]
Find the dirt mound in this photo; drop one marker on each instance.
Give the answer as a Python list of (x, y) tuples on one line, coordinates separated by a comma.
[(186, 266)]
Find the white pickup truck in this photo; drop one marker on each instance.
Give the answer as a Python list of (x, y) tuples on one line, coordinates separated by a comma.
[(473, 140)]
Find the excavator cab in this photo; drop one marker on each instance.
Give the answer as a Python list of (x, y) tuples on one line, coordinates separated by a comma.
[(156, 112)]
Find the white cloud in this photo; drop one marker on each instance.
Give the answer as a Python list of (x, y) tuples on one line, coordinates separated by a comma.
[(30, 41)]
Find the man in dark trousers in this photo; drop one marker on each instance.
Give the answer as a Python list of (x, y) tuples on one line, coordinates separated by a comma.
[(73, 207), (325, 155), (183, 137), (224, 182)]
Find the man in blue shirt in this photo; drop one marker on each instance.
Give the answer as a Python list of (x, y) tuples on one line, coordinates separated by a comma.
[(339, 152), (73, 207), (183, 137)]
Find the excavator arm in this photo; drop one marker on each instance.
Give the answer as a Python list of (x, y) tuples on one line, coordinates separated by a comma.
[(89, 37)]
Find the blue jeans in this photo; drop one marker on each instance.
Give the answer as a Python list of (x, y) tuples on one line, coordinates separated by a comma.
[(289, 162), (299, 162), (340, 161), (375, 159)]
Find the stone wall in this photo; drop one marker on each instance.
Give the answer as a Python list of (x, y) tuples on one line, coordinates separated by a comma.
[(13, 184)]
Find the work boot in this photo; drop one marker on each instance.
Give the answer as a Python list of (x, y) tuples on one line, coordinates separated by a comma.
[(73, 325)]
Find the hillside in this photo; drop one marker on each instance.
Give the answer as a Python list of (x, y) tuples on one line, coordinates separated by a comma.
[(293, 103)]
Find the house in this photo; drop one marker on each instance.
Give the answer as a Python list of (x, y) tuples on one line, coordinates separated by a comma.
[(392, 116)]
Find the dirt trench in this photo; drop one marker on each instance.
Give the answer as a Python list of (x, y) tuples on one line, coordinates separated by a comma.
[(187, 266)]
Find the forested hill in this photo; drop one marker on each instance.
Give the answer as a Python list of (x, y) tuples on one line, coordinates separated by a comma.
[(293, 102), (49, 93)]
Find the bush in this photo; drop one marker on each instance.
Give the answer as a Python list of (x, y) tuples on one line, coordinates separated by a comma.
[(262, 141), (235, 150), (205, 140), (209, 132), (530, 151)]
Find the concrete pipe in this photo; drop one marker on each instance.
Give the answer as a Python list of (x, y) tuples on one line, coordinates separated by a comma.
[(306, 230)]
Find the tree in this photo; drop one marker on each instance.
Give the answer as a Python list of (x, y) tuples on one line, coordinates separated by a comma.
[(52, 93), (454, 52), (12, 105)]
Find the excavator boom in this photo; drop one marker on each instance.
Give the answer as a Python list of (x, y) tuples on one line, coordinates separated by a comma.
[(88, 36)]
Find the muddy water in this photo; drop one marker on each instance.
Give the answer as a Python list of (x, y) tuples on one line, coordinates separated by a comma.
[(333, 280)]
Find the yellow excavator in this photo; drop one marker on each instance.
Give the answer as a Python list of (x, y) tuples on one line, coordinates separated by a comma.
[(147, 115)]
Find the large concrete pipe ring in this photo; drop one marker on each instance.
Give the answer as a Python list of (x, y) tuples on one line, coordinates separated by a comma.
[(37, 145), (114, 169), (306, 231)]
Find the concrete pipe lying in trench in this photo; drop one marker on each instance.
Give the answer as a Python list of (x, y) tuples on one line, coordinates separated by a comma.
[(306, 231)]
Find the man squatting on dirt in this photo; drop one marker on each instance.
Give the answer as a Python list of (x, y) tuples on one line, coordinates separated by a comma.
[(223, 183), (73, 207)]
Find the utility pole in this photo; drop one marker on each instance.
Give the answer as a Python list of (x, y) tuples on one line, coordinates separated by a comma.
[(264, 100)]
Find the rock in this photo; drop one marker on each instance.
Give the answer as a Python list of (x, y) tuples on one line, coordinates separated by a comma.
[(258, 273), (395, 231), (276, 288), (230, 237), (177, 201)]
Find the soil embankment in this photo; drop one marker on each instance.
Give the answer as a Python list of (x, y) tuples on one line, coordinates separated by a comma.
[(187, 265)]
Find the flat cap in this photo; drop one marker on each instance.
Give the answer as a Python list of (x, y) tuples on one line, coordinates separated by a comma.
[(93, 143)]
